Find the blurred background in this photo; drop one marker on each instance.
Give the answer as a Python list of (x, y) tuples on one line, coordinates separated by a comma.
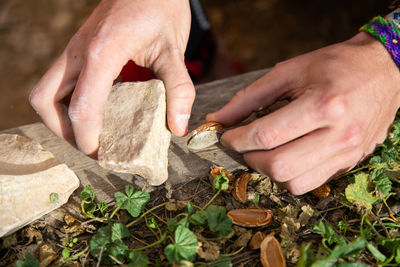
[(253, 34)]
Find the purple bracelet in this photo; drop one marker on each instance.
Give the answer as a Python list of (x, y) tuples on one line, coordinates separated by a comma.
[(386, 32)]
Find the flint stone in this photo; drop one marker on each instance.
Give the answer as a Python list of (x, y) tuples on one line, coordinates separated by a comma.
[(134, 137), (28, 175)]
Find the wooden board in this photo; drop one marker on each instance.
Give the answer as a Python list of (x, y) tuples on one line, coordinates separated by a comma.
[(184, 165)]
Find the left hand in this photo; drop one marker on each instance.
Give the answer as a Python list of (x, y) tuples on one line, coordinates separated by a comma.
[(343, 99)]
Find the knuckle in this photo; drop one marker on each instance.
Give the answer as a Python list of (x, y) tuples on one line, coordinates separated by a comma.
[(36, 99), (79, 112), (331, 108), (265, 139), (352, 137), (95, 48), (280, 170)]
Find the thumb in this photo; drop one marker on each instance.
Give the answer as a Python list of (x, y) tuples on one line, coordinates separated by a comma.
[(179, 89)]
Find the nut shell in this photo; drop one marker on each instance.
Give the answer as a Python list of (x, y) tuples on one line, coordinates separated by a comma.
[(251, 217), (204, 136), (239, 191), (271, 252), (256, 240), (322, 192)]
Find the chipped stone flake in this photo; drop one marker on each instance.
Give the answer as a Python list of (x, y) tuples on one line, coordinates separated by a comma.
[(28, 175)]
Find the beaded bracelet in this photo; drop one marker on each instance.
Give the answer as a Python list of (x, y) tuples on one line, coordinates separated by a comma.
[(386, 32)]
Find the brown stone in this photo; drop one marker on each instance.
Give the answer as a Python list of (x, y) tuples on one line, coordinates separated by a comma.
[(28, 175), (134, 138)]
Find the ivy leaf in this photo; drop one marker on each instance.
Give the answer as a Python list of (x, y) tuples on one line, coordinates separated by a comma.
[(29, 261), (106, 240), (184, 248), (221, 182), (134, 201), (358, 194), (87, 194), (383, 184), (199, 218), (119, 231), (137, 259), (218, 221), (328, 233)]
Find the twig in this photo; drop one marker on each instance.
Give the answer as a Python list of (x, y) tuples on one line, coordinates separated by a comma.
[(115, 259), (100, 254)]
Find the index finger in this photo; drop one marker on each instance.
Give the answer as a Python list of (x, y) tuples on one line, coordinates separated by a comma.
[(292, 121)]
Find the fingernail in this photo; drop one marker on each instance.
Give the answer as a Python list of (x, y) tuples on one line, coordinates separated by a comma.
[(182, 121)]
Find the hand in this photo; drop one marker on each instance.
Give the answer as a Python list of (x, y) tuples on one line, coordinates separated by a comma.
[(152, 33), (343, 99)]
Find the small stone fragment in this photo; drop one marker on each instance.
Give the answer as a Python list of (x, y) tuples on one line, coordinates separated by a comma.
[(134, 138), (271, 253), (28, 176)]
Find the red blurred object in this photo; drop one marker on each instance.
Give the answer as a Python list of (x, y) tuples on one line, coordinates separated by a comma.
[(134, 73)]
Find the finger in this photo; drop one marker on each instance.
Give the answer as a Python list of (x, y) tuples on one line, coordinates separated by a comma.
[(179, 89), (258, 95), (311, 111), (101, 67), (295, 158), (57, 83), (321, 174)]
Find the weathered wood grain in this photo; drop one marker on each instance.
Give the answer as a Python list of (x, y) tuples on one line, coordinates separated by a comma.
[(184, 165)]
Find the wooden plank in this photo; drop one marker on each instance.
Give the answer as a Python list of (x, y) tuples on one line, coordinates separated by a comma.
[(184, 165)]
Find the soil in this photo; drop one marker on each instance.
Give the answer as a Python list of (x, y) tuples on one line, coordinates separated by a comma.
[(256, 34)]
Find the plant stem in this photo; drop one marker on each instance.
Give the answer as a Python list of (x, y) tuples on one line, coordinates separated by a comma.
[(211, 200), (233, 253), (113, 213), (152, 244), (145, 213)]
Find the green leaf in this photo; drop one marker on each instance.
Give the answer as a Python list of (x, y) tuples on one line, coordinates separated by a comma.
[(328, 233), (184, 248), (199, 218), (185, 263), (134, 201), (106, 240), (190, 209), (377, 254), (347, 250), (29, 261), (152, 223), (87, 194), (383, 184), (119, 231), (358, 193), (218, 221), (102, 206), (137, 259), (65, 253), (222, 261), (221, 182), (53, 197), (306, 256)]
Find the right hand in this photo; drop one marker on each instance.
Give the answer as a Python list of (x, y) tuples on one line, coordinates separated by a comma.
[(152, 33)]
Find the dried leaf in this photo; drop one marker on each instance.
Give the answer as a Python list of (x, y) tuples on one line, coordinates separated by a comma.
[(358, 194), (208, 250), (322, 192)]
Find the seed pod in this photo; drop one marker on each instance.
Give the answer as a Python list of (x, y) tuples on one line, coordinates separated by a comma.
[(239, 191), (205, 135), (251, 217), (256, 240), (271, 252), (322, 192)]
